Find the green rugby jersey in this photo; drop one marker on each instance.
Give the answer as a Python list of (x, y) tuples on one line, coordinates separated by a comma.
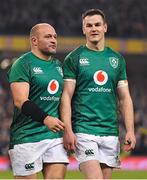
[(94, 103), (46, 84)]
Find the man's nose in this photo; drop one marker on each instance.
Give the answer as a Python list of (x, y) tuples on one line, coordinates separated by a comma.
[(93, 28), (54, 40)]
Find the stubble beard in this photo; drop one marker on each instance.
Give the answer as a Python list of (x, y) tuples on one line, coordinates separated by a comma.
[(48, 53)]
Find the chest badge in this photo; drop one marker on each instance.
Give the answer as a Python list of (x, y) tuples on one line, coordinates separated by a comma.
[(113, 62)]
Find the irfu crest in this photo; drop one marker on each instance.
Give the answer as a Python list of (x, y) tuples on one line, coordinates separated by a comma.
[(113, 61)]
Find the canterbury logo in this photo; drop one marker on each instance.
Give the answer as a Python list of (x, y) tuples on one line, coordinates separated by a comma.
[(29, 167), (37, 70), (89, 152), (84, 61)]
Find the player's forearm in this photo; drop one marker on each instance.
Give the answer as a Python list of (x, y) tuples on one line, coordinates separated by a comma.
[(128, 113), (19, 102), (65, 111), (20, 93), (66, 118)]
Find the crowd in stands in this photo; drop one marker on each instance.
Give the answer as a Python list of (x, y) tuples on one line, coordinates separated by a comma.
[(126, 18), (6, 113)]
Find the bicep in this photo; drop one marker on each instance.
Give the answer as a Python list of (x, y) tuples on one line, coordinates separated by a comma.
[(20, 92), (69, 88), (123, 92)]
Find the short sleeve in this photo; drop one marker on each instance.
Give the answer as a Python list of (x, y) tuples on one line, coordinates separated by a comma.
[(19, 72), (123, 74), (69, 68)]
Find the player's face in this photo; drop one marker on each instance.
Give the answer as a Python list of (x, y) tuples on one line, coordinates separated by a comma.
[(94, 28), (47, 40)]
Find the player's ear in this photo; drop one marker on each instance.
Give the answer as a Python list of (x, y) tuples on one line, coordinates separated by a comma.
[(34, 40), (83, 29), (105, 27)]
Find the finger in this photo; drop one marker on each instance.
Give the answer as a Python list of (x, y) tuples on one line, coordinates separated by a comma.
[(61, 123), (65, 145), (60, 127), (130, 144), (72, 147), (127, 142), (68, 147), (54, 130), (133, 145), (75, 142), (127, 148)]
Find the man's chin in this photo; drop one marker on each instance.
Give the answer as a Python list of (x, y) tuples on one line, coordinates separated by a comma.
[(48, 53), (53, 52), (94, 41)]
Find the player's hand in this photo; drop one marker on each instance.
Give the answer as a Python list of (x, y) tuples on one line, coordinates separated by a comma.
[(130, 141), (54, 124), (69, 140)]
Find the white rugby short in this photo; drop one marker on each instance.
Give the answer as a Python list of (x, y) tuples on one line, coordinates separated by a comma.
[(105, 149), (28, 158)]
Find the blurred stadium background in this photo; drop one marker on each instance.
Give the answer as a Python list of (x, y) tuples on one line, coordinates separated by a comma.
[(127, 33)]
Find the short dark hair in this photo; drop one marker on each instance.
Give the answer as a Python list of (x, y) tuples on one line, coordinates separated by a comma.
[(92, 12)]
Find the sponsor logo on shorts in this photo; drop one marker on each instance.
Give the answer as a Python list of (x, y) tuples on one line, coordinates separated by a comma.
[(89, 152), (29, 166)]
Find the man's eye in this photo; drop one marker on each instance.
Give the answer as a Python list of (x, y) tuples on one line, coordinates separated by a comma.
[(88, 25)]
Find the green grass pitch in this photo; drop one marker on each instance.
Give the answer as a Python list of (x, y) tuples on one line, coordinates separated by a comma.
[(118, 174)]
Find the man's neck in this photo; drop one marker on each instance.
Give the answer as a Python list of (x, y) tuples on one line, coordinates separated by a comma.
[(96, 46), (41, 56)]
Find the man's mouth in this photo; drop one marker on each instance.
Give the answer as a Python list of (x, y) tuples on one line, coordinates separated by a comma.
[(52, 46)]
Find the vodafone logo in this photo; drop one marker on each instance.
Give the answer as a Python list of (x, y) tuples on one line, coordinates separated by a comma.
[(100, 77), (53, 86)]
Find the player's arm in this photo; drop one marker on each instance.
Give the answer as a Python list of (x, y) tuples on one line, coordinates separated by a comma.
[(65, 110), (20, 94), (126, 108)]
